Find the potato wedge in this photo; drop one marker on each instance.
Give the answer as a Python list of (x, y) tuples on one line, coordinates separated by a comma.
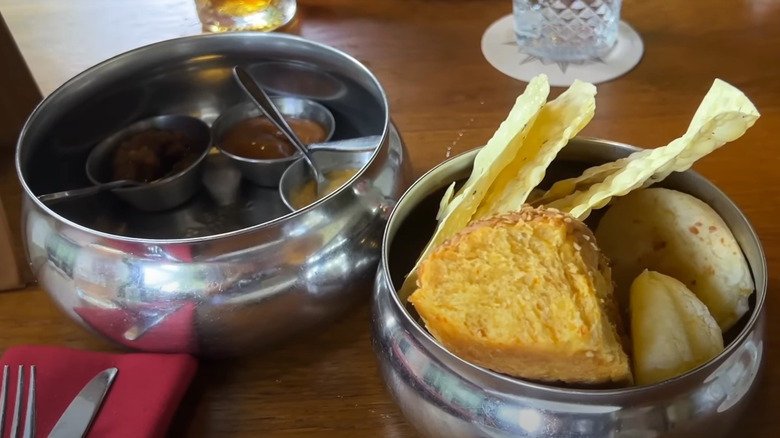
[(672, 331), (678, 235)]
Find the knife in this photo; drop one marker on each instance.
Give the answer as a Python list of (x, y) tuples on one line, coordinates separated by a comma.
[(77, 418)]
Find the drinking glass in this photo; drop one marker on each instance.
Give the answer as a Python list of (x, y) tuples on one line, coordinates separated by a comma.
[(231, 15), (566, 30)]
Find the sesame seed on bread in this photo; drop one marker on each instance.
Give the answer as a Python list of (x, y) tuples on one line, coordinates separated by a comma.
[(528, 294)]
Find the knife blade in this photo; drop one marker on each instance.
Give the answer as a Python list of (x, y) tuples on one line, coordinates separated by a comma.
[(77, 418)]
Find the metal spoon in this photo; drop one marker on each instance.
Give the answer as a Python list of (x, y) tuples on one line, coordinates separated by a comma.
[(53, 198), (357, 144), (263, 102)]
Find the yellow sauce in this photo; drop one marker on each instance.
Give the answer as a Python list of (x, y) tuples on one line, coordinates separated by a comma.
[(308, 193)]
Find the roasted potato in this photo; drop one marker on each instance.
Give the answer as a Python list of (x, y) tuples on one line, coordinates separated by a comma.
[(671, 330), (678, 235)]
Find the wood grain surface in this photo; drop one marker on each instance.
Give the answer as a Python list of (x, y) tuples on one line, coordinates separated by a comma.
[(445, 99)]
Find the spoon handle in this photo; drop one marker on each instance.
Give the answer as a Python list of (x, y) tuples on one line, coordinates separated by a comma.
[(262, 100), (359, 144), (52, 198)]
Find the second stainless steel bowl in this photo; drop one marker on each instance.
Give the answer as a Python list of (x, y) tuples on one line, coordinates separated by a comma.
[(267, 173), (444, 396)]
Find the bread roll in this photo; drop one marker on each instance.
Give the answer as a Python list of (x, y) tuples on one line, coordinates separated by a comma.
[(526, 294), (678, 235)]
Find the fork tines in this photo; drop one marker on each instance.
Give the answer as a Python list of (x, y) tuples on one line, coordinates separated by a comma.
[(29, 416)]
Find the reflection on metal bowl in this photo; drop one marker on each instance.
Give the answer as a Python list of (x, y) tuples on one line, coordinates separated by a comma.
[(298, 79), (231, 270), (444, 396)]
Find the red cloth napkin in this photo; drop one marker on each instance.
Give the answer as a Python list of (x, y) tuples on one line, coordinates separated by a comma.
[(145, 394)]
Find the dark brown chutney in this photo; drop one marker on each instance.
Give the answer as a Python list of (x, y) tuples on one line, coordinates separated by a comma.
[(151, 155)]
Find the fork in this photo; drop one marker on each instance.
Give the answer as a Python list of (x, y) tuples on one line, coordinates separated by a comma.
[(29, 416)]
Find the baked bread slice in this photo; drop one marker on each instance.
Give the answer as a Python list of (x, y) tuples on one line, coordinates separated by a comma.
[(527, 294)]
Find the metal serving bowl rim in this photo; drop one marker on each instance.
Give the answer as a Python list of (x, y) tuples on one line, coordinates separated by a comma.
[(518, 385), (118, 135), (301, 65), (292, 158), (84, 76)]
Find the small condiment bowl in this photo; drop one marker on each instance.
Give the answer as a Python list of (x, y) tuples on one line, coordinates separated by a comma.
[(298, 182), (268, 172), (164, 193)]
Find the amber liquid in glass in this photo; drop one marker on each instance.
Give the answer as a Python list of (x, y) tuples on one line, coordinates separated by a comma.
[(229, 15), (240, 8)]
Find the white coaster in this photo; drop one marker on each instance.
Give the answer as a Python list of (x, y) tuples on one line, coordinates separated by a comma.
[(502, 52)]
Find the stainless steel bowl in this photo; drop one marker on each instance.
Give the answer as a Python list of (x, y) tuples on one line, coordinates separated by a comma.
[(444, 396), (212, 277), (299, 174), (267, 173), (164, 193)]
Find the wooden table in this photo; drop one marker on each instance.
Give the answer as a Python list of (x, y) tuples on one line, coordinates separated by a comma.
[(446, 99)]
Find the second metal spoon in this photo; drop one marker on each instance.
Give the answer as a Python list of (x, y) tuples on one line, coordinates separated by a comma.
[(53, 198), (262, 100)]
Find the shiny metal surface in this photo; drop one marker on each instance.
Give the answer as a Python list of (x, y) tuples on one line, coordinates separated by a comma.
[(31, 410), (299, 173), (23, 422), (73, 194), (267, 173), (78, 416), (358, 144), (3, 396), (261, 99), (444, 396), (232, 270), (165, 193), (329, 157)]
